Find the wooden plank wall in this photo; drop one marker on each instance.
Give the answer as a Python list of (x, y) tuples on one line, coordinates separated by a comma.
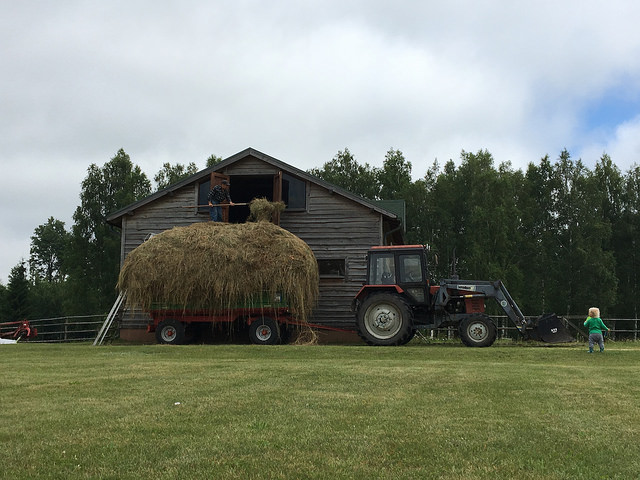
[(336, 228), (159, 216)]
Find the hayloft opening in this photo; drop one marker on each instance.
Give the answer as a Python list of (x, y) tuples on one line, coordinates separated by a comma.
[(245, 188)]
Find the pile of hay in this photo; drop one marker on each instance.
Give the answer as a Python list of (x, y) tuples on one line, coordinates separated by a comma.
[(218, 266), (262, 209)]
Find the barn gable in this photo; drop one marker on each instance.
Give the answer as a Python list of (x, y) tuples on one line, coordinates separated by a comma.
[(338, 225)]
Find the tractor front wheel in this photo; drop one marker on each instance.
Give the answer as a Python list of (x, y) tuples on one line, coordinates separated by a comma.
[(385, 319), (477, 331)]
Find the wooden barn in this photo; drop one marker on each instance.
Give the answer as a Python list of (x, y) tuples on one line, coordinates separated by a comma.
[(338, 225)]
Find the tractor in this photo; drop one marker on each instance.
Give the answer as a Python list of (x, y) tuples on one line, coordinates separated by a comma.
[(398, 298)]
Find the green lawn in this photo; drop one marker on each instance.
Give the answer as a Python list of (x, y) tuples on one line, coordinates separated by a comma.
[(244, 412)]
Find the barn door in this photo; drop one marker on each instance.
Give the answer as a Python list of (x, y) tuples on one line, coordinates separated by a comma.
[(216, 179), (277, 195)]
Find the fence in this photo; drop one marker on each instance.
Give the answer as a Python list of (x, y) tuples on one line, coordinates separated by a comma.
[(66, 329), (85, 328), (620, 328)]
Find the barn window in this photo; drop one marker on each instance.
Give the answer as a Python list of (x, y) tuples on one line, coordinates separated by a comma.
[(203, 194), (294, 192), (332, 268)]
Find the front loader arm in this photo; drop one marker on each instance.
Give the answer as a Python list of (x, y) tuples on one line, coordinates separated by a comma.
[(451, 288)]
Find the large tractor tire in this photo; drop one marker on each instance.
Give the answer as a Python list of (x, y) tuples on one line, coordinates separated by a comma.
[(171, 331), (264, 331), (385, 319), (477, 331)]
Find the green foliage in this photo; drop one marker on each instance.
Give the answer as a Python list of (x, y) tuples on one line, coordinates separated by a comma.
[(49, 243), (94, 261), (344, 171), (620, 202), (4, 304), (213, 160), (47, 299), (171, 174), (17, 294), (394, 178), (557, 235)]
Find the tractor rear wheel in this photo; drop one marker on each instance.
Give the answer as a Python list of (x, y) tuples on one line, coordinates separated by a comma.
[(171, 331), (477, 331), (385, 319)]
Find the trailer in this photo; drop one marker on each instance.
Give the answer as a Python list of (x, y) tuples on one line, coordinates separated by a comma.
[(266, 319)]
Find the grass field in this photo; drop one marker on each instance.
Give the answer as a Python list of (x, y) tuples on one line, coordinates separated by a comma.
[(249, 412)]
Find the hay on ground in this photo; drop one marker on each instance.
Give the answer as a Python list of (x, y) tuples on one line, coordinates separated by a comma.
[(219, 266)]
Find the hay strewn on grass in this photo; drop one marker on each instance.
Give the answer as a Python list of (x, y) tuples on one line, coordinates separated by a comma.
[(220, 266)]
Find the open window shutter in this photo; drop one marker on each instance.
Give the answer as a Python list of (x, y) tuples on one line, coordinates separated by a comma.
[(277, 194)]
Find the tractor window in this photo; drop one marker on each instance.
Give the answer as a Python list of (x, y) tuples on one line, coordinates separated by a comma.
[(410, 269), (382, 270)]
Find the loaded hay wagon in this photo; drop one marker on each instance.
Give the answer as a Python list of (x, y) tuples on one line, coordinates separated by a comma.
[(254, 275)]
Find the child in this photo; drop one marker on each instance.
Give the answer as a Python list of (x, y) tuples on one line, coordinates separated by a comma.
[(595, 326)]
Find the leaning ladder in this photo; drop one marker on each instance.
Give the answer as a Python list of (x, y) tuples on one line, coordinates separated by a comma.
[(117, 306)]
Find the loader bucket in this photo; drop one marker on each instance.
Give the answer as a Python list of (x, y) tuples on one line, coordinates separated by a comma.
[(550, 329)]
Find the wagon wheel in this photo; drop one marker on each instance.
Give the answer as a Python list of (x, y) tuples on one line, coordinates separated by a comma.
[(264, 331), (170, 331)]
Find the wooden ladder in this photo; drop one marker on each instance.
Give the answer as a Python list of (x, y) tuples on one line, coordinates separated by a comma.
[(117, 306)]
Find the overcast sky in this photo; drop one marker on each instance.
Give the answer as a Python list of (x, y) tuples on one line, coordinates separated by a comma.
[(177, 81)]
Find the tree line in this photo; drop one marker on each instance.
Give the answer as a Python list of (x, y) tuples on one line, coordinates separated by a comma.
[(561, 236)]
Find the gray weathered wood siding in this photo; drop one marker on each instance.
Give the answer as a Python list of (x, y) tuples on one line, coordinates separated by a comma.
[(159, 216), (250, 166), (334, 226)]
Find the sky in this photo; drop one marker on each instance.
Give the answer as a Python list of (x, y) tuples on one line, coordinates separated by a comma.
[(178, 81)]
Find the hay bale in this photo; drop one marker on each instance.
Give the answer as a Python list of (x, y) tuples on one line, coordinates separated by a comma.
[(218, 266), (261, 209)]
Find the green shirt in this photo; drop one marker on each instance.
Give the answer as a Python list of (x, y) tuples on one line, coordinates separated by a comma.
[(595, 325)]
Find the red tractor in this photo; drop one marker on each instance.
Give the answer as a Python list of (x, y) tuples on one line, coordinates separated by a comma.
[(398, 298)]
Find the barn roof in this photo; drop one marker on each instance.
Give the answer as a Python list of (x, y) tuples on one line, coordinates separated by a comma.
[(115, 218)]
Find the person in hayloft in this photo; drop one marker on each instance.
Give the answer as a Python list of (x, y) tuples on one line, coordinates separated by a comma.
[(218, 195), (595, 326)]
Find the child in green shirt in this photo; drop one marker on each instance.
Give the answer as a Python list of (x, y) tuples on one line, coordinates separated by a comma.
[(595, 325)]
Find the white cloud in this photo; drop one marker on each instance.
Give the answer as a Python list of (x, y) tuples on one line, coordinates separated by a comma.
[(625, 143)]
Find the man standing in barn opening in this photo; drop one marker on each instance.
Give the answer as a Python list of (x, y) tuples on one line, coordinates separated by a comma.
[(217, 195)]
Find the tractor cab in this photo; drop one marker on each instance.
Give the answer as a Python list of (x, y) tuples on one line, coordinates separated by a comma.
[(401, 268)]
